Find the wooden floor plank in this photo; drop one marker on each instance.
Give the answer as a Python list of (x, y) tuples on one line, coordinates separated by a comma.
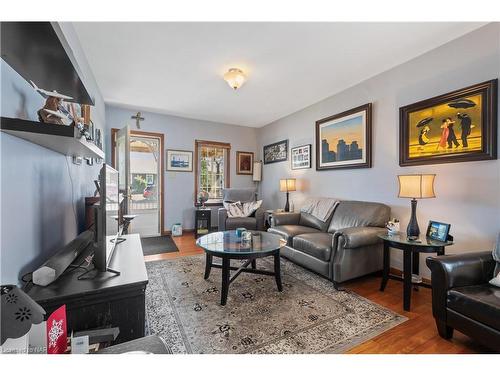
[(417, 335)]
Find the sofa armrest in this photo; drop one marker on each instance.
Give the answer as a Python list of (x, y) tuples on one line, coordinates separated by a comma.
[(222, 216), (259, 216), (450, 271), (351, 238), (286, 218)]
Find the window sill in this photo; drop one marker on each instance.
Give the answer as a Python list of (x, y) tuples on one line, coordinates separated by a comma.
[(213, 204)]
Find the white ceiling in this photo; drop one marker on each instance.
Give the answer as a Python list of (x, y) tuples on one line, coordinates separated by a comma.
[(177, 68)]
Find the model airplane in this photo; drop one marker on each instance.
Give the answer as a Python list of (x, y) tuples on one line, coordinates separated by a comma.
[(46, 94)]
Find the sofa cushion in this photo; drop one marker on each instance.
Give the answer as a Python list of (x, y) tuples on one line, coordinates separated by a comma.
[(359, 214), (309, 220), (241, 222), (287, 232), (478, 302), (318, 245)]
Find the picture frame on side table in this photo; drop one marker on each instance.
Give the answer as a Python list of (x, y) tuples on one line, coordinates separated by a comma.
[(244, 162), (343, 141), (455, 127), (179, 161), (300, 157), (276, 152), (438, 231)]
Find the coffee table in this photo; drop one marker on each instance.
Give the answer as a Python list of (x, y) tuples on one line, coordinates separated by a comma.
[(227, 245)]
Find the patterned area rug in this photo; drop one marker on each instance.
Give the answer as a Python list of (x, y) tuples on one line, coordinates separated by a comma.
[(309, 316)]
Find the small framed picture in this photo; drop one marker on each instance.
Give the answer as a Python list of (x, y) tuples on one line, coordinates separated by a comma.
[(438, 231), (301, 157), (179, 161), (276, 152), (244, 162)]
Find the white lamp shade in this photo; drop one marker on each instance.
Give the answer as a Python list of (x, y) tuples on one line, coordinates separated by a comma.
[(416, 186), (287, 184)]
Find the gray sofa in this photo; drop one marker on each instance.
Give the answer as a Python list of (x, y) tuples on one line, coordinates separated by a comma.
[(254, 222), (344, 247)]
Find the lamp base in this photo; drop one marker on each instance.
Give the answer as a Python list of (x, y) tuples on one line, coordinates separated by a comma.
[(287, 205), (413, 231)]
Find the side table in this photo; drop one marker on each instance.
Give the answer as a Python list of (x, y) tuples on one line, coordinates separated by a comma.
[(411, 251), (268, 217), (202, 221)]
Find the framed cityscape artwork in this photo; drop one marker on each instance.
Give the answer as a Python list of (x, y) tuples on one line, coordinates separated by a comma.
[(244, 162), (179, 161), (276, 152), (344, 140), (454, 127), (301, 157)]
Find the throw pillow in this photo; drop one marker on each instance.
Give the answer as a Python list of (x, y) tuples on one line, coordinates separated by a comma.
[(496, 256), (496, 281), (234, 209), (250, 207)]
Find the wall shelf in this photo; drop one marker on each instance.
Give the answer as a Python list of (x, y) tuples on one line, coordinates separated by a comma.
[(34, 50), (60, 138)]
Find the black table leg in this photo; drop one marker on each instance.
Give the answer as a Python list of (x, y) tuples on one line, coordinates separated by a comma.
[(407, 279), (226, 263), (440, 251), (254, 264), (385, 272), (277, 271), (415, 265), (208, 265)]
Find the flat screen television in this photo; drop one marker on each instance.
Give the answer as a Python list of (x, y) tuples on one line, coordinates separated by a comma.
[(107, 215)]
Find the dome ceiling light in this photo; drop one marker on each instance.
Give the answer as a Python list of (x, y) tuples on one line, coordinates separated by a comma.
[(235, 78)]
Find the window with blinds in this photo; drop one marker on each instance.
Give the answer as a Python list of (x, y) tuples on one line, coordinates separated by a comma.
[(212, 169)]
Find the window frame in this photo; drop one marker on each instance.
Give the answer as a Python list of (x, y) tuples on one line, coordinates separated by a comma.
[(227, 170)]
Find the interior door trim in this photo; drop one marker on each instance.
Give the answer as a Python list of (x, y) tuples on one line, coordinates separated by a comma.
[(160, 136)]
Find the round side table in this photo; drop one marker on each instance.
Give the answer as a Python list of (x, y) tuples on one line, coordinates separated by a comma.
[(411, 251)]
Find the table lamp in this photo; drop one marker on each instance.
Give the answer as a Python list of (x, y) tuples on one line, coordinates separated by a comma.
[(415, 186), (287, 185)]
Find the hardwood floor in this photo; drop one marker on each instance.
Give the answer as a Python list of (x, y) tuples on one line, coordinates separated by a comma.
[(417, 335)]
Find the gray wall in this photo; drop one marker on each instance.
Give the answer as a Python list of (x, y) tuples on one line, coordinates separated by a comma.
[(468, 194), (39, 187), (181, 133)]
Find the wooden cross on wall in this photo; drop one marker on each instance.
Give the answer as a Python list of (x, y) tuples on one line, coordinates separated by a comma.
[(137, 119)]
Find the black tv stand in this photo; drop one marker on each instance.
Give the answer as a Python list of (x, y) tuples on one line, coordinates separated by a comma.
[(104, 300)]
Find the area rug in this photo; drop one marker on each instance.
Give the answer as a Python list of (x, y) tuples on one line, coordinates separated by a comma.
[(158, 245), (309, 316)]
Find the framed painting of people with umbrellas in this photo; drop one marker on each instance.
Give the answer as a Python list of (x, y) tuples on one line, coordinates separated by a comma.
[(455, 127)]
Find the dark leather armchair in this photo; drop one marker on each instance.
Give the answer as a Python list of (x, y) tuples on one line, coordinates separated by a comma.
[(253, 222), (462, 299)]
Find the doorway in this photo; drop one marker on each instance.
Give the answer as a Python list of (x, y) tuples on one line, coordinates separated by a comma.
[(145, 181)]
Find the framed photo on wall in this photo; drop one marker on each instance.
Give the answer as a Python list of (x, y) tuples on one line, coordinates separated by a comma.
[(179, 161), (276, 152), (344, 140), (244, 162), (455, 127), (301, 157)]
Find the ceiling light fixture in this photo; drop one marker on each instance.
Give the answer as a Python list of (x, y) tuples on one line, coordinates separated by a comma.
[(235, 78)]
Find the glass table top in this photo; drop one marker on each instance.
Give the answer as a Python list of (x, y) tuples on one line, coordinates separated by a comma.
[(229, 243), (401, 238)]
